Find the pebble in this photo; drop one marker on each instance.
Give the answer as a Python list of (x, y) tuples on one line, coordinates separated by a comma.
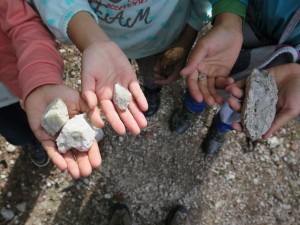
[(7, 214), (107, 196), (11, 148), (21, 206), (294, 146), (273, 142), (230, 176)]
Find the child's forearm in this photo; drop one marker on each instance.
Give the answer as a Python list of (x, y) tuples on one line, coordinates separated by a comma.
[(83, 31), (187, 37)]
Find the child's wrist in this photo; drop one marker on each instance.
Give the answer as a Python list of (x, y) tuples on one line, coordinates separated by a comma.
[(229, 20), (84, 31)]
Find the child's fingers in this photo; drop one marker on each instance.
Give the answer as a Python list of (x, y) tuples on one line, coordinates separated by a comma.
[(192, 84), (84, 166), (237, 126), (88, 91), (196, 56), (138, 95), (203, 86), (95, 117), (281, 118), (94, 155), (235, 91), (234, 104), (137, 114), (90, 97), (212, 90), (129, 121), (73, 168), (56, 158), (112, 116)]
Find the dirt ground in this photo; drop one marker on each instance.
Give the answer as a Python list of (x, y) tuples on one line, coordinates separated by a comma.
[(247, 183)]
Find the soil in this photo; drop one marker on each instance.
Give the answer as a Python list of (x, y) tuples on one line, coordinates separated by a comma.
[(247, 183)]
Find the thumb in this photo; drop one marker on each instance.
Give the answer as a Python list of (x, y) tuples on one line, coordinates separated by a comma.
[(193, 61), (88, 93)]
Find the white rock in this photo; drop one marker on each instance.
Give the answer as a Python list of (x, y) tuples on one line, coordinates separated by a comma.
[(121, 97), (230, 176), (11, 148), (21, 206), (76, 133), (55, 117), (273, 142)]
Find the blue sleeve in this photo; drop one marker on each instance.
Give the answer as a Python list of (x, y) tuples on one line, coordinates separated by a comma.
[(200, 14), (57, 14)]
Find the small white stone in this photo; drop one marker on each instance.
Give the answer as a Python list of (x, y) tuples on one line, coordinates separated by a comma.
[(55, 117), (273, 142), (76, 133), (107, 196), (121, 97), (11, 148), (230, 176), (21, 206)]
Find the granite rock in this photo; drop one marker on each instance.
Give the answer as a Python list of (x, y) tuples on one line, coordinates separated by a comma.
[(259, 106)]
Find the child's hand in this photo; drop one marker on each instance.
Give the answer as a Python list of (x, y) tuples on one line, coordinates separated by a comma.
[(287, 78), (214, 55), (168, 68), (77, 163), (103, 65)]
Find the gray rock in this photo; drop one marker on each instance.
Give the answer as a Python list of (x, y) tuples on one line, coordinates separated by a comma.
[(259, 106), (55, 117), (99, 134), (121, 97), (76, 133), (7, 214)]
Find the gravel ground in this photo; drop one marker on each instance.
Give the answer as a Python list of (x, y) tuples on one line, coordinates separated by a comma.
[(247, 183)]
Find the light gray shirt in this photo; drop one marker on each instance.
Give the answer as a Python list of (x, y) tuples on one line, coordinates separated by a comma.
[(6, 97)]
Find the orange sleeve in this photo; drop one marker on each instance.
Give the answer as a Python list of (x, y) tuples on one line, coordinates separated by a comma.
[(38, 60)]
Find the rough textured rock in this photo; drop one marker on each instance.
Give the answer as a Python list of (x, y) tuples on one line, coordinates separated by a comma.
[(76, 133), (259, 107), (169, 59), (55, 117), (121, 97)]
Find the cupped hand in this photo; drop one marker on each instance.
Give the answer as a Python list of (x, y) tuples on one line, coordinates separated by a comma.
[(103, 65), (174, 75), (77, 163)]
